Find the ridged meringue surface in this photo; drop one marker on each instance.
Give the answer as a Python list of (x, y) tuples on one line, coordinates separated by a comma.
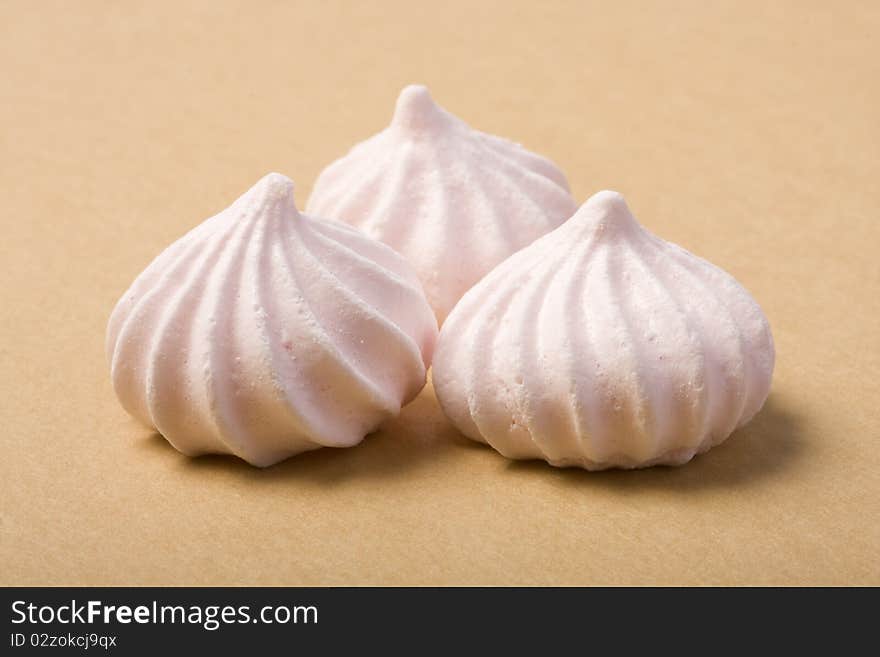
[(601, 345), (454, 201), (263, 333)]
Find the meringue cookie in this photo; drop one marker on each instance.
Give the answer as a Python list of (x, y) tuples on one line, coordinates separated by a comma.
[(264, 333), (454, 201), (601, 345)]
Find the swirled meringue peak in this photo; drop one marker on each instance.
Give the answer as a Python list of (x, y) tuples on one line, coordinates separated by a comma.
[(454, 201), (601, 345), (264, 333)]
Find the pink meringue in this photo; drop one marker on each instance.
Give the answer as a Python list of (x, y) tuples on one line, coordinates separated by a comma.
[(264, 333), (454, 201), (601, 345)]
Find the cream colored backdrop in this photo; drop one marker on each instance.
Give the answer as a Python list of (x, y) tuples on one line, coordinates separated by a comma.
[(748, 132)]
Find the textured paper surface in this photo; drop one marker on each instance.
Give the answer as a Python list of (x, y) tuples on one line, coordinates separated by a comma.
[(746, 132)]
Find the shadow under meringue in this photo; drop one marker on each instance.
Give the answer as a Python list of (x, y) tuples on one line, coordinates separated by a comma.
[(766, 445), (422, 435), (411, 440)]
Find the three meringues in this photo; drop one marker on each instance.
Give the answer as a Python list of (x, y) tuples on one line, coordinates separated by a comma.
[(264, 333), (601, 345), (451, 199)]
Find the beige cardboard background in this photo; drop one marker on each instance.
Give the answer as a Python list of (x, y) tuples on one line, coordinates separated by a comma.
[(748, 132)]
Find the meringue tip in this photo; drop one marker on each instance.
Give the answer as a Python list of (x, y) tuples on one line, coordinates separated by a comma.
[(415, 107), (274, 188), (277, 184), (606, 209), (608, 201)]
